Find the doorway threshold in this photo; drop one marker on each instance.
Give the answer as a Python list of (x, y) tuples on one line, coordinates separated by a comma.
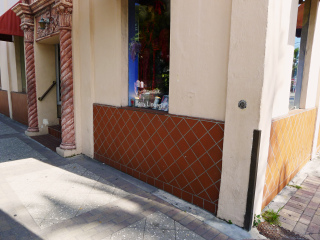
[(48, 141)]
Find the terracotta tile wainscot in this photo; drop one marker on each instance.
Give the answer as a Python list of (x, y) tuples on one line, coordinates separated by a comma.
[(181, 155), (290, 149)]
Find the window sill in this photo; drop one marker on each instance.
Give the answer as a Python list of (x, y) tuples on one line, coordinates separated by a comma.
[(147, 110)]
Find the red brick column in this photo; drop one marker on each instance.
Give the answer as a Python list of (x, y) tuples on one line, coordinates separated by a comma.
[(67, 114), (31, 77)]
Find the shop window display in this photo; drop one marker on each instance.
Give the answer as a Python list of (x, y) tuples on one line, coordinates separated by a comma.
[(149, 47)]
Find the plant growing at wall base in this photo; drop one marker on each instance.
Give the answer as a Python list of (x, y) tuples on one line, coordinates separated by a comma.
[(295, 186), (272, 217), (257, 220)]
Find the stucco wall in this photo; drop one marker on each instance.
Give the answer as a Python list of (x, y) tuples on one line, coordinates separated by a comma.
[(100, 62), (83, 76), (200, 34), (281, 39), (312, 60), (261, 52), (4, 66), (282, 17), (245, 82), (199, 51), (8, 69), (17, 85), (110, 52)]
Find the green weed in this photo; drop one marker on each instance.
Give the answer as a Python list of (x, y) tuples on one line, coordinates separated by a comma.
[(272, 217), (295, 186)]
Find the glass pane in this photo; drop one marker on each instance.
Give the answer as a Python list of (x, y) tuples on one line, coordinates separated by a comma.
[(299, 54), (149, 47)]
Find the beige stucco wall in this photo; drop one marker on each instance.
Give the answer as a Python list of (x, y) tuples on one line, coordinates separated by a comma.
[(315, 71), (4, 65), (83, 76), (9, 80), (245, 81), (281, 39), (312, 60), (100, 62), (199, 52), (44, 55), (198, 65), (109, 52), (259, 72), (282, 18), (17, 84)]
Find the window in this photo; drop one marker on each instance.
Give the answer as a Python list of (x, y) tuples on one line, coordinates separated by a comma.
[(299, 53), (149, 47)]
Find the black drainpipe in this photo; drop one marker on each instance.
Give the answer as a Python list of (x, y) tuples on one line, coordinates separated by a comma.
[(248, 218)]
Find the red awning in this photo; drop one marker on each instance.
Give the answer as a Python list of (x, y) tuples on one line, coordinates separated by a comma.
[(10, 25)]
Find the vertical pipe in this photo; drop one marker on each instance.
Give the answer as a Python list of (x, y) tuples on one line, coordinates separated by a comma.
[(248, 219)]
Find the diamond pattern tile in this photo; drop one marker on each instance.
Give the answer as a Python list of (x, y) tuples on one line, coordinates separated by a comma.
[(178, 154), (290, 149)]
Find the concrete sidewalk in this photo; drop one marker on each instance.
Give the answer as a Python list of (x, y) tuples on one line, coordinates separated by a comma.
[(45, 196)]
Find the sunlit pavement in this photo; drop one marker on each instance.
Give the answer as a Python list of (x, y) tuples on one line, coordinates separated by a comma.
[(45, 196)]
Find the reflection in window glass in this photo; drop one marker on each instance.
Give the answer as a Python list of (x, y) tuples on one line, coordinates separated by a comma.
[(299, 54), (149, 47)]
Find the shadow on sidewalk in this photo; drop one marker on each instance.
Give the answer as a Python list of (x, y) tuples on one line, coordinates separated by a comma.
[(11, 229)]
